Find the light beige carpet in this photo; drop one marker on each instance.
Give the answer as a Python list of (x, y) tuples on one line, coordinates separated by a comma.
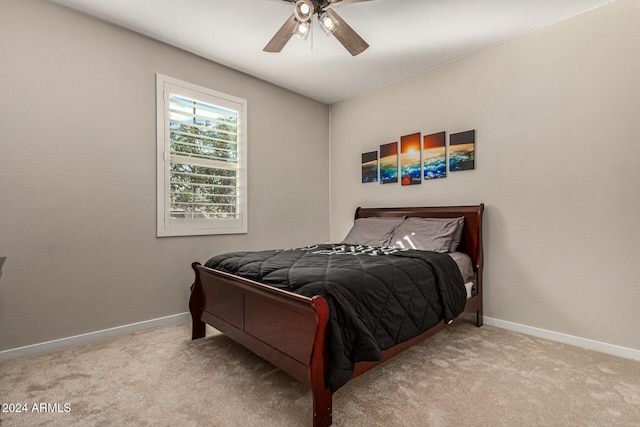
[(463, 376)]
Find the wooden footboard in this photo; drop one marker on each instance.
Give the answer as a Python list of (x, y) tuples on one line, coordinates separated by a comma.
[(255, 315)]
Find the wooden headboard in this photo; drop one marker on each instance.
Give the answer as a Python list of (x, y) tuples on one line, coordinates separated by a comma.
[(471, 242)]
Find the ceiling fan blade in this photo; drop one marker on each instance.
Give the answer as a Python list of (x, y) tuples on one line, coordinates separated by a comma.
[(347, 36), (283, 35)]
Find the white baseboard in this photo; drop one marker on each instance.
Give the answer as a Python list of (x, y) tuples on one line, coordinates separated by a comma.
[(92, 336), (602, 347), (588, 344)]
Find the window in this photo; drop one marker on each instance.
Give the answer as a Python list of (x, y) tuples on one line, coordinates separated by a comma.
[(202, 184)]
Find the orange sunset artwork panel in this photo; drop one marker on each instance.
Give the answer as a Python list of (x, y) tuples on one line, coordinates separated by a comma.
[(410, 159)]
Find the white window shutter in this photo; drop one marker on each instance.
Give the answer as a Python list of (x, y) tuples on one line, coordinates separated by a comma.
[(201, 160)]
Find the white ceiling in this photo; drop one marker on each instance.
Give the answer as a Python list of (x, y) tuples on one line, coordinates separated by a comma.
[(406, 37)]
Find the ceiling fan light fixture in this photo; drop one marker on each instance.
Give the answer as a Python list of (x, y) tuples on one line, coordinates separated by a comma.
[(302, 30), (303, 10), (328, 24)]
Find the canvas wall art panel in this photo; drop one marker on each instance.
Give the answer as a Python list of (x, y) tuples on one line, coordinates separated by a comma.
[(370, 167), (410, 159), (434, 156), (462, 151), (389, 163)]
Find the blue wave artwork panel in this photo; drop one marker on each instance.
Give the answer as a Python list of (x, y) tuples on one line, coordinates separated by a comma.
[(370, 167), (389, 163), (462, 151), (434, 156)]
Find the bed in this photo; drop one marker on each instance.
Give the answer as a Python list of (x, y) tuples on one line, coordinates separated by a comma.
[(254, 314)]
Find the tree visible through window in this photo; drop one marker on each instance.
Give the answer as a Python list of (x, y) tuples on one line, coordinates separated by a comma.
[(204, 160), (203, 187)]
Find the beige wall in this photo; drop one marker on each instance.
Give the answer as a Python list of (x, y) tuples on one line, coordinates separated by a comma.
[(556, 114), (77, 174), (557, 119)]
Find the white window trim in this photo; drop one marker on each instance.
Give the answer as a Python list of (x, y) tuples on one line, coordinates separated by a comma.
[(166, 226)]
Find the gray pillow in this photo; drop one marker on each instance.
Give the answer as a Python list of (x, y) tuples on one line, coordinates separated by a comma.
[(457, 236), (425, 234), (374, 231)]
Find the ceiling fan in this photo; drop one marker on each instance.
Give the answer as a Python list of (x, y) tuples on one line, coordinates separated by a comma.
[(300, 24)]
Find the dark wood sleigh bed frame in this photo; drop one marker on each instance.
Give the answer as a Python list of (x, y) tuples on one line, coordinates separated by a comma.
[(288, 329)]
